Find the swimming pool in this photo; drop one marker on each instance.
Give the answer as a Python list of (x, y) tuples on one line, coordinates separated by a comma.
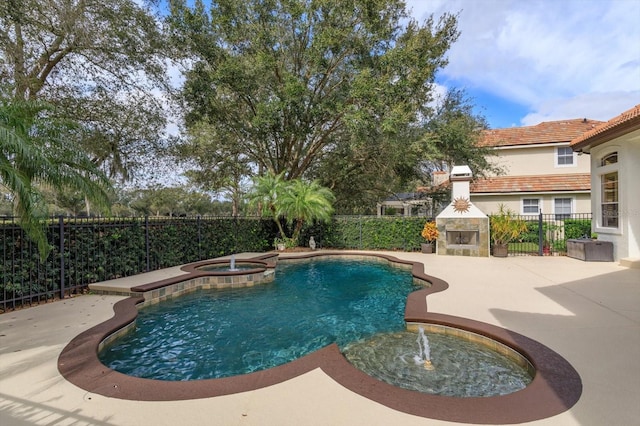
[(556, 385), (228, 332)]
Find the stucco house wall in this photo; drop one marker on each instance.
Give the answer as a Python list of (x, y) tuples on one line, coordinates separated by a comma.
[(581, 202), (541, 171), (625, 237), (619, 135), (538, 160)]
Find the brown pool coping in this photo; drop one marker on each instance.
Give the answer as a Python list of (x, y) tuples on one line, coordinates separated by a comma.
[(555, 388), (265, 261)]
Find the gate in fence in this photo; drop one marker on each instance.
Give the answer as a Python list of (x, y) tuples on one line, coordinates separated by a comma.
[(547, 234)]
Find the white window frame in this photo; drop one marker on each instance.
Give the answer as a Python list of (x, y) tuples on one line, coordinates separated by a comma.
[(600, 172), (538, 205), (574, 156), (562, 216)]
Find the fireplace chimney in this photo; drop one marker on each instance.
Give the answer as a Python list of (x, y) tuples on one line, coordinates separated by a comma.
[(460, 178)]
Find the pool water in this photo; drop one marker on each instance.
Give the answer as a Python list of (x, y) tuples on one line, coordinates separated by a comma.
[(221, 333), (224, 267), (462, 368)]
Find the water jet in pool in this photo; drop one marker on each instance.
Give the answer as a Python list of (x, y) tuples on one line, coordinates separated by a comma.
[(424, 350), (454, 366)]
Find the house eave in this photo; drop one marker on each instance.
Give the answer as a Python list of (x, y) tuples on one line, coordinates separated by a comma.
[(613, 133), (564, 191), (532, 145)]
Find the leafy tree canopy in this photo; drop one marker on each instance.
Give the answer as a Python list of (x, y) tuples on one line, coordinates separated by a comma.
[(224, 171), (168, 201), (451, 137), (300, 86), (97, 62)]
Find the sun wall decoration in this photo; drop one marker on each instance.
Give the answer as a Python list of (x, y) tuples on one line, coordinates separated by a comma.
[(461, 205)]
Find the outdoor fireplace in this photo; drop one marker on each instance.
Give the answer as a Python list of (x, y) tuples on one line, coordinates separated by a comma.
[(463, 228), (462, 238)]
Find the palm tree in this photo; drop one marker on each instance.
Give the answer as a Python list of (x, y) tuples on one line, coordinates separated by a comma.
[(296, 200), (305, 201), (34, 151), (265, 195)]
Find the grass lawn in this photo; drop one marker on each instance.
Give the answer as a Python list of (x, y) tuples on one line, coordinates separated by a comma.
[(523, 247)]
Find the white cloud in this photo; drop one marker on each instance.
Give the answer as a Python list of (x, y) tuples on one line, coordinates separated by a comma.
[(596, 106), (439, 93), (556, 58)]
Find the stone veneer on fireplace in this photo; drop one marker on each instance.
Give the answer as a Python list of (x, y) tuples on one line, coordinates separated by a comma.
[(474, 228), (463, 230)]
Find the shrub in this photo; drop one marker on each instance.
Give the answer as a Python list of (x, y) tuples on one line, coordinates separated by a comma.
[(577, 228), (506, 226)]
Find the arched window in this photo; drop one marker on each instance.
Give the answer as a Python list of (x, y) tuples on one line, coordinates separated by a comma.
[(611, 158)]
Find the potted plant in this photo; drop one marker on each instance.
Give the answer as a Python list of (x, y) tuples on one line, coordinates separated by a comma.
[(429, 233), (505, 227), (279, 244), (550, 241), (286, 243)]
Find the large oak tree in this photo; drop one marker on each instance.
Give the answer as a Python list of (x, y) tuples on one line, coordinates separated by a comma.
[(451, 137), (298, 85), (75, 98), (98, 62)]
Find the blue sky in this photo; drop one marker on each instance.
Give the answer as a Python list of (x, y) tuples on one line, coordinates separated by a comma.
[(528, 61)]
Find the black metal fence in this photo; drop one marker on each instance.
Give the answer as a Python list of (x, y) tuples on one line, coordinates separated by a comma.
[(88, 250), (547, 234)]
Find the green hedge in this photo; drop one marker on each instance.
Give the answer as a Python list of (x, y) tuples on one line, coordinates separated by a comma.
[(367, 233), (577, 228), (106, 248), (570, 228)]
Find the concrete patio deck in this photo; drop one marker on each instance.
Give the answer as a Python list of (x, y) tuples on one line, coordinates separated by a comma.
[(588, 312)]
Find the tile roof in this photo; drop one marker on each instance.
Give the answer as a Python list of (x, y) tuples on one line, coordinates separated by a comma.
[(535, 183), (624, 123), (546, 132)]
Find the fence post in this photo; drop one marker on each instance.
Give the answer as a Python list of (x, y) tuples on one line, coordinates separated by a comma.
[(236, 222), (146, 241), (199, 238), (360, 228), (540, 234), (405, 225), (61, 248)]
